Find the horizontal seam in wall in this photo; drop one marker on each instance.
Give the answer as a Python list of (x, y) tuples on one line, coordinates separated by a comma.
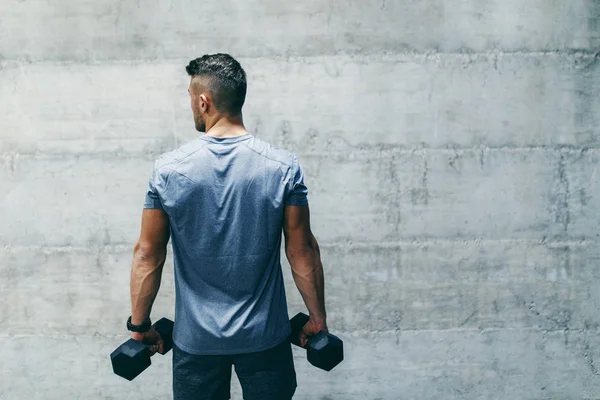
[(341, 333), (417, 242), (379, 54), (380, 150)]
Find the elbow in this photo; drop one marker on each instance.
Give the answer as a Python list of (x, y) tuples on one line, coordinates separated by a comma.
[(307, 250), (146, 254), (314, 245)]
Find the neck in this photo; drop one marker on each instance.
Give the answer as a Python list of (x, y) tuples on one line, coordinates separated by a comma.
[(226, 126)]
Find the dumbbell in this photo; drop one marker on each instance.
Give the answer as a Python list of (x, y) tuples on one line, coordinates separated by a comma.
[(323, 349), (132, 357)]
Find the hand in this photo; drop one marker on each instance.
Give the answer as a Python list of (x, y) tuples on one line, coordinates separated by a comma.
[(152, 338), (311, 328)]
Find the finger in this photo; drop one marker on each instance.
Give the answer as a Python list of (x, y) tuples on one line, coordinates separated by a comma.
[(303, 339), (306, 330)]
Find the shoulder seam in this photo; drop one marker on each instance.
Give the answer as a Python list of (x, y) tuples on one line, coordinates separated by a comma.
[(268, 158), (178, 161)]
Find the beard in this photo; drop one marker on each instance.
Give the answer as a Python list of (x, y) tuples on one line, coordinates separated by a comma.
[(199, 122)]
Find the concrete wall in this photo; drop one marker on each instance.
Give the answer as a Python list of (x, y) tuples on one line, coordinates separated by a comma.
[(451, 151)]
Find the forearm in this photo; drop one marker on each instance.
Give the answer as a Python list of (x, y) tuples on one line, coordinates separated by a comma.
[(146, 272), (307, 272)]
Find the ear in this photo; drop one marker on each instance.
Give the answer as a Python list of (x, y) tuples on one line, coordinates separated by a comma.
[(204, 102)]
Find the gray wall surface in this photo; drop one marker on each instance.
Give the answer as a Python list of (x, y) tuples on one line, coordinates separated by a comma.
[(451, 150)]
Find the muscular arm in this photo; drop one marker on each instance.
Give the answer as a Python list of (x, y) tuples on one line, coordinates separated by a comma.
[(302, 251), (149, 257)]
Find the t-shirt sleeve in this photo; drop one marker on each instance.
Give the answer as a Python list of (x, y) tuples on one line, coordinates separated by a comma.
[(152, 199), (297, 191)]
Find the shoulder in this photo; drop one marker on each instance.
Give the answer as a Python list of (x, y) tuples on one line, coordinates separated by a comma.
[(271, 152), (169, 161)]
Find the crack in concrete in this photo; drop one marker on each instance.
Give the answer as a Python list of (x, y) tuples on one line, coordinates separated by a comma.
[(559, 319), (595, 58), (470, 317), (394, 206), (561, 199), (589, 359)]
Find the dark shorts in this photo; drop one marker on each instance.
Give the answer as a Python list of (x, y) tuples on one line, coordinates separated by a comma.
[(264, 375)]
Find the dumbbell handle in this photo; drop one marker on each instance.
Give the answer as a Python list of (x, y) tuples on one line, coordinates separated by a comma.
[(297, 324), (164, 327)]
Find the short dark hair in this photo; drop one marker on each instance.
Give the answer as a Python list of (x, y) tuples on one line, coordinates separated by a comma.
[(227, 80)]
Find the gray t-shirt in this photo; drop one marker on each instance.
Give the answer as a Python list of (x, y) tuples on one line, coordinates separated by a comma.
[(225, 199)]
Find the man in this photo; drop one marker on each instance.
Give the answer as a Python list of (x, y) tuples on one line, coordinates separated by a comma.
[(224, 200)]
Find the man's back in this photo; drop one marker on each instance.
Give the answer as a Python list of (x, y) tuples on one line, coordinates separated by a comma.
[(225, 198)]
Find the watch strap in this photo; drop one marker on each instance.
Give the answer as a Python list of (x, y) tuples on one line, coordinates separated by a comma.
[(144, 327)]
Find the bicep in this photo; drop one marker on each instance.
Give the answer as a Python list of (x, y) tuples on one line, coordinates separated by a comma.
[(296, 227), (155, 230)]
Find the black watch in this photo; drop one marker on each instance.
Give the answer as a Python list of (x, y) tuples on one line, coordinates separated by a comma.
[(144, 327)]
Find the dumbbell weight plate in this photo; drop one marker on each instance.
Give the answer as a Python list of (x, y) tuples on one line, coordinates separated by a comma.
[(130, 359), (325, 350)]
